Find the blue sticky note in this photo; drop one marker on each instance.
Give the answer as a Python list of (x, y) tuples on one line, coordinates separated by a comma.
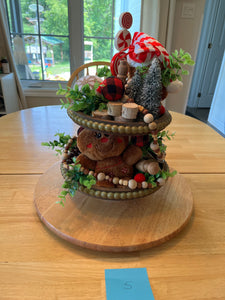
[(128, 284)]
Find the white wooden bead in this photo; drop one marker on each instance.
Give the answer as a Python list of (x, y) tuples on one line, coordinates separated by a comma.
[(91, 173), (148, 118), (121, 182), (161, 181), (100, 176), (125, 182), (154, 147), (115, 180), (144, 184), (107, 177), (132, 184)]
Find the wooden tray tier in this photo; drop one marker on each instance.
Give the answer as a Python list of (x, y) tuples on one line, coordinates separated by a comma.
[(119, 128), (114, 226), (117, 193)]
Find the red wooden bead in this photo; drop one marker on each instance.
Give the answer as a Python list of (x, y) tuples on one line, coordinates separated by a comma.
[(162, 110), (139, 177)]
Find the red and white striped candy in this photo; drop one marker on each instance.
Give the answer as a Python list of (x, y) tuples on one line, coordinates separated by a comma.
[(122, 39), (115, 62), (125, 20), (144, 48)]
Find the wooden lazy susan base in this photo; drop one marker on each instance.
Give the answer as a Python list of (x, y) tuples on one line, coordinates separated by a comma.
[(114, 226)]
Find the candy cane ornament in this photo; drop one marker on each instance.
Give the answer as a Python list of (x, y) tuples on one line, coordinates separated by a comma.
[(116, 61)]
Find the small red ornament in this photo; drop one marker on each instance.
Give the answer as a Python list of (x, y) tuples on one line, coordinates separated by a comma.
[(139, 177), (162, 110)]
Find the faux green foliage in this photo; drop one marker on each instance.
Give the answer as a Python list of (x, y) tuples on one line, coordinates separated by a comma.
[(58, 145), (104, 72), (175, 70), (161, 174), (84, 100), (162, 135), (75, 177)]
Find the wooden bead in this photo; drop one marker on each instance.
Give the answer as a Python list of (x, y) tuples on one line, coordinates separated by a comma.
[(144, 184), (125, 182), (139, 185), (110, 195), (154, 146), (91, 173), (103, 194), (152, 126), (86, 171), (148, 118), (145, 112), (141, 108), (70, 141), (121, 182), (161, 181), (107, 177), (100, 176), (115, 180), (132, 184), (82, 169), (127, 129), (65, 156)]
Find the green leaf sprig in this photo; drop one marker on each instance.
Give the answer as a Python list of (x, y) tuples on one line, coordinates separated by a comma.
[(84, 100), (175, 70), (104, 72), (74, 178), (58, 145)]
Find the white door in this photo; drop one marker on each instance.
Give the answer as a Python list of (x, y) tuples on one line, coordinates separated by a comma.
[(210, 55), (216, 48)]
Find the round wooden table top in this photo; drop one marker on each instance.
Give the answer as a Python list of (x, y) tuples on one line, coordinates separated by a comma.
[(37, 264)]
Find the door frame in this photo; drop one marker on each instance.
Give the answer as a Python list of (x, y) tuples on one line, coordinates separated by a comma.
[(203, 53)]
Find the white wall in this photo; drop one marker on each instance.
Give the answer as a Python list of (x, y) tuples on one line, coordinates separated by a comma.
[(186, 35), (216, 115)]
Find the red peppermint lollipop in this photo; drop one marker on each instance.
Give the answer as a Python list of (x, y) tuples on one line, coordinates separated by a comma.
[(115, 62), (122, 39), (125, 20)]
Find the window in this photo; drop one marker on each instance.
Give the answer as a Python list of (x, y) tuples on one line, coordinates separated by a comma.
[(51, 38)]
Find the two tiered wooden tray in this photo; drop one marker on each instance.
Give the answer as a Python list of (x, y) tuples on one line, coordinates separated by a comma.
[(92, 219)]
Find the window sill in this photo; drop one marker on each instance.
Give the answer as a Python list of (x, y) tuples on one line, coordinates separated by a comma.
[(42, 89)]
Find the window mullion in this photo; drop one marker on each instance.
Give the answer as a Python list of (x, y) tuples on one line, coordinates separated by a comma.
[(112, 37), (40, 42), (76, 33)]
